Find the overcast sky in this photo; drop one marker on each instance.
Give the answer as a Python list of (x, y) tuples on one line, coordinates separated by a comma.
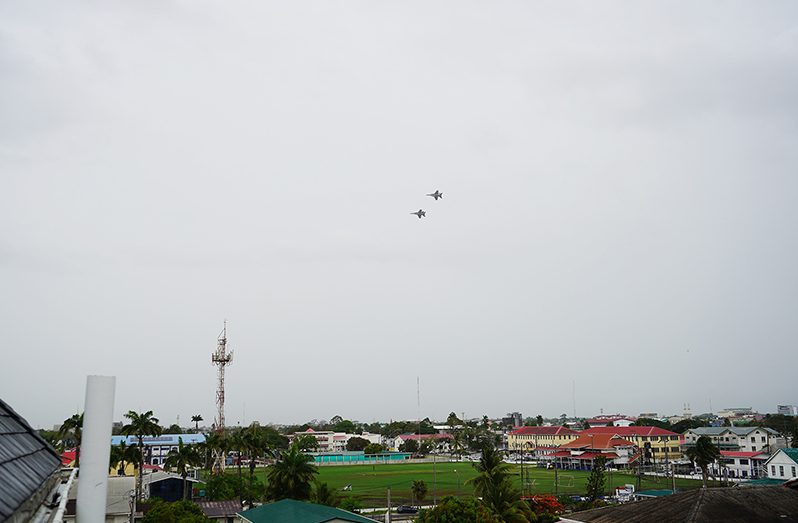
[(619, 214)]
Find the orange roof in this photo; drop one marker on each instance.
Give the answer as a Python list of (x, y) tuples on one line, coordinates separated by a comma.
[(597, 441)]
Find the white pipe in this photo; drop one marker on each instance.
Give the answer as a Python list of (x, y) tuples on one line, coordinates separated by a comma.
[(59, 515), (98, 418)]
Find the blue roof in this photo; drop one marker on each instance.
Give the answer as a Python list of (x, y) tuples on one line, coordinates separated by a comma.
[(166, 439)]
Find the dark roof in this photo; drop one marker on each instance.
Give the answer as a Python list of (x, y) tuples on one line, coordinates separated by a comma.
[(215, 509), (292, 511), (26, 461), (729, 505)]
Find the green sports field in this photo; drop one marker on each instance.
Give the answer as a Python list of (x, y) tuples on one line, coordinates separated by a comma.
[(370, 482)]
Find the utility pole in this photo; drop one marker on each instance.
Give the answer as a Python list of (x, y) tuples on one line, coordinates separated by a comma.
[(388, 514)]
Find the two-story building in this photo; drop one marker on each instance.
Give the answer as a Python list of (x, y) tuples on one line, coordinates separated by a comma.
[(156, 448), (330, 441), (540, 441), (740, 439), (656, 444)]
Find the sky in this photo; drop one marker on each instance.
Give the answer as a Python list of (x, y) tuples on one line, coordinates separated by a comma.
[(618, 232)]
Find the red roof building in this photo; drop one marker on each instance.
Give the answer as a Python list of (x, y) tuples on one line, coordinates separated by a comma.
[(540, 441), (655, 443), (582, 452)]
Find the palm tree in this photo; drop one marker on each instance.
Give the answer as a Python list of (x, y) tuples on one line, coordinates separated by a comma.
[(181, 459), (141, 424), (291, 476), (72, 427), (122, 455), (322, 494), (419, 490), (256, 445), (491, 470), (504, 501), (703, 454), (196, 419)]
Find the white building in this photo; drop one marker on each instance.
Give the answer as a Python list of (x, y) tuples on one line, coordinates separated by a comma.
[(740, 464), (787, 410), (335, 441), (741, 439), (783, 464)]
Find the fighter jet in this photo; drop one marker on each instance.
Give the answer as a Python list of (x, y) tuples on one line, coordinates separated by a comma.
[(437, 194), (420, 213)]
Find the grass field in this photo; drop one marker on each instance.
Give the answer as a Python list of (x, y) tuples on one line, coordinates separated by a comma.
[(370, 482)]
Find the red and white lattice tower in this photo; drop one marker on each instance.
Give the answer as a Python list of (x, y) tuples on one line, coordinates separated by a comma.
[(221, 358)]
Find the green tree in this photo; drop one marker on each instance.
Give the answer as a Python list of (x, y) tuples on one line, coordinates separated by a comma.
[(72, 431), (373, 448), (355, 444), (595, 483), (453, 420), (122, 455), (322, 494), (419, 490), (222, 487), (494, 486), (539, 419), (178, 512), (306, 442), (257, 445), (351, 504), (291, 476), (344, 426), (141, 425), (456, 510), (182, 459), (196, 419), (703, 454), (410, 445), (174, 428), (794, 443)]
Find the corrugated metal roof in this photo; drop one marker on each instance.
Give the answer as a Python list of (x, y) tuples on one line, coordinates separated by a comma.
[(299, 512), (26, 461)]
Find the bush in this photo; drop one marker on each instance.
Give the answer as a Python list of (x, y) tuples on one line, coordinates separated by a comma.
[(177, 512), (351, 504)]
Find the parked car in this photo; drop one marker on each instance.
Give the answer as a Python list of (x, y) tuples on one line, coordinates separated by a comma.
[(406, 509)]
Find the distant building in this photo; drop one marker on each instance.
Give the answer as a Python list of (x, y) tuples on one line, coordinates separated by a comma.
[(611, 420), (442, 441), (156, 448), (787, 410), (513, 419), (330, 441)]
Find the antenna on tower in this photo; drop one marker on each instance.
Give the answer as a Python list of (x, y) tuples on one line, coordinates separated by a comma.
[(221, 358)]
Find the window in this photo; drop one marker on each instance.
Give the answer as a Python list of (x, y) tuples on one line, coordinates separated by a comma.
[(763, 439), (753, 448), (743, 462), (753, 439), (793, 471), (773, 470), (745, 473), (781, 470)]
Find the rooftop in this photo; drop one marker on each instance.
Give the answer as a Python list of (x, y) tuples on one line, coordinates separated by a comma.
[(630, 431), (730, 505), (543, 431), (26, 461), (292, 511)]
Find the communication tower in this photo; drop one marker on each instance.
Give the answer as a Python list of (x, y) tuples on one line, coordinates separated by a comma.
[(221, 358)]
